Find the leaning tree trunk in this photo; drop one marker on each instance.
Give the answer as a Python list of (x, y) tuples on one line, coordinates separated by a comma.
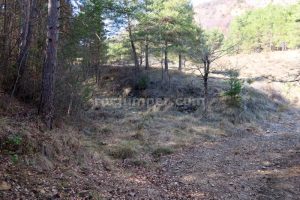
[(133, 48), (46, 108), (28, 7)]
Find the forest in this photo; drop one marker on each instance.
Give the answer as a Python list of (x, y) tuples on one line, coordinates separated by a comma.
[(134, 99), (270, 28)]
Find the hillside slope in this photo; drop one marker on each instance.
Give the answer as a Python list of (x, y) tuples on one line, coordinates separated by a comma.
[(220, 13), (163, 151)]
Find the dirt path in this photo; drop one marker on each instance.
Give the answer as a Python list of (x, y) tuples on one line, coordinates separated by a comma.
[(260, 160), (248, 165), (261, 163)]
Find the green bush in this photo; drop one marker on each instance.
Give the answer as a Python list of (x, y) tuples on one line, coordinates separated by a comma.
[(15, 140), (235, 88), (123, 150), (143, 83), (12, 143), (14, 158), (162, 151)]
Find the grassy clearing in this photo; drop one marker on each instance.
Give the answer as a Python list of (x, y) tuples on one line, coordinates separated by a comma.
[(119, 139), (158, 130)]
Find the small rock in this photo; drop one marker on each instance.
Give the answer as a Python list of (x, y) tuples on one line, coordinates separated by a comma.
[(5, 186), (42, 191), (54, 190), (56, 196), (103, 143), (132, 194), (211, 184), (87, 132), (266, 164)]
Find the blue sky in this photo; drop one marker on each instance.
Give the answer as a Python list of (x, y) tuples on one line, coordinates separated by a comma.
[(196, 2)]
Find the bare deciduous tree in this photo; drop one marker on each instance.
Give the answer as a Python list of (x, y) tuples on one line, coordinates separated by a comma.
[(207, 50)]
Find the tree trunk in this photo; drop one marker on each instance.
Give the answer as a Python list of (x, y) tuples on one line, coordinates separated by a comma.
[(5, 40), (28, 7), (147, 55), (133, 48), (70, 105), (135, 57), (46, 108), (166, 57), (180, 62), (205, 80), (141, 60), (98, 75), (205, 84)]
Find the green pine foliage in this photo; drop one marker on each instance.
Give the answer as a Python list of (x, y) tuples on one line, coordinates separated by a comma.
[(235, 89), (270, 28)]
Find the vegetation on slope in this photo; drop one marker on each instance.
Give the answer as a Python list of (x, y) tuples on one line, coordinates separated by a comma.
[(270, 28), (56, 142)]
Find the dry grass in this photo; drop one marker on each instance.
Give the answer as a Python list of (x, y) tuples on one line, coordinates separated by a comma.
[(138, 136), (129, 132), (143, 134), (162, 151), (272, 73), (26, 141), (123, 150)]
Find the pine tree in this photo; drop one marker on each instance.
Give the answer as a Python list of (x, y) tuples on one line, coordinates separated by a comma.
[(46, 108)]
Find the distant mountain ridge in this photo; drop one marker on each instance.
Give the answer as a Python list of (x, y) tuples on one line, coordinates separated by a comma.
[(219, 13)]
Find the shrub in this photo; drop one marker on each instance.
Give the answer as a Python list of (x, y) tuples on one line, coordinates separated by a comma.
[(235, 88), (15, 139), (143, 83), (124, 150), (162, 151), (12, 143), (106, 131), (71, 95)]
